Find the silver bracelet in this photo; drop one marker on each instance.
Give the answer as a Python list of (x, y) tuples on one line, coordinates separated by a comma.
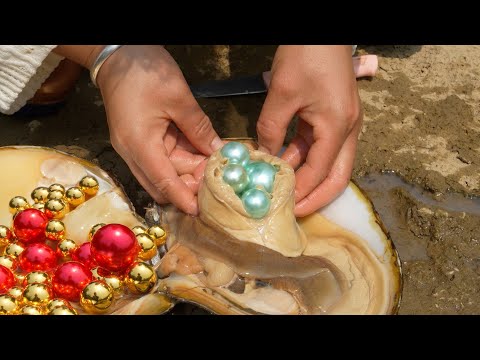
[(101, 58)]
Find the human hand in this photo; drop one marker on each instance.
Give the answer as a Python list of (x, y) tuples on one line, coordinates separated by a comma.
[(145, 95), (318, 84)]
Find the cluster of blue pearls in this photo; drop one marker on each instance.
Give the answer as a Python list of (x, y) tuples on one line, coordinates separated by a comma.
[(251, 181)]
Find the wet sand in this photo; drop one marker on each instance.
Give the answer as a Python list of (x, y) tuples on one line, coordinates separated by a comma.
[(421, 122)]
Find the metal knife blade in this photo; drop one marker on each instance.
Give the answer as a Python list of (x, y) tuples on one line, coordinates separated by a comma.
[(246, 85)]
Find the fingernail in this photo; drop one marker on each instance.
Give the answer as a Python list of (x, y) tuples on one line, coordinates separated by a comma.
[(216, 144)]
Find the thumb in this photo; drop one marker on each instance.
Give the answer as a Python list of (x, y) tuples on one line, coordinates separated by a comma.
[(276, 114), (196, 125)]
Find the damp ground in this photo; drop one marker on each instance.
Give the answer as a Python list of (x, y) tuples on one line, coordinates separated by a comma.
[(418, 156)]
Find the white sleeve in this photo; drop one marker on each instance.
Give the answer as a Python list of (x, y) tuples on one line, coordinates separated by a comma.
[(23, 69), (354, 48)]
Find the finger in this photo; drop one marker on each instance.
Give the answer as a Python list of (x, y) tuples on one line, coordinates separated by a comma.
[(319, 161), (184, 144), (152, 159), (191, 182), (185, 162), (365, 65), (334, 184), (195, 124), (276, 114), (170, 138), (297, 151)]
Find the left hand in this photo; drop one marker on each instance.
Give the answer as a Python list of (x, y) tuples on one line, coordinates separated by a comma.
[(318, 84)]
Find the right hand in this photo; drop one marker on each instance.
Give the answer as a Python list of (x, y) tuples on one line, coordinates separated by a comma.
[(145, 94)]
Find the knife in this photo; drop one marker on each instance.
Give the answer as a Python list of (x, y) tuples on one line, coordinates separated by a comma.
[(365, 65)]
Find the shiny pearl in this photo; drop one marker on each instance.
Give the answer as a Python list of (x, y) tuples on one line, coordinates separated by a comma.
[(75, 196), (5, 235), (57, 187), (31, 310), (14, 250), (235, 176), (96, 297), (256, 202), (140, 278), (57, 302), (39, 206), (158, 234), (261, 174), (147, 245), (236, 153), (139, 230), (55, 195), (65, 248), (62, 310), (8, 305), (16, 292), (55, 230), (18, 203), (56, 209), (37, 294), (9, 262), (39, 195), (93, 230), (39, 277), (89, 185)]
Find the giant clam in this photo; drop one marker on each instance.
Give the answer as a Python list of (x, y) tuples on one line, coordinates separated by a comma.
[(339, 260)]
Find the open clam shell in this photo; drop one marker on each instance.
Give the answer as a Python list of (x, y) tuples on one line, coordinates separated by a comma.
[(347, 234), (27, 167)]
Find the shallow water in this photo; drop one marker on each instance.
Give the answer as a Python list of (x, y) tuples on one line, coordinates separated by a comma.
[(387, 190)]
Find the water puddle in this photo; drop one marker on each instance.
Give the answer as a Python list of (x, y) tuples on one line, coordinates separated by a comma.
[(382, 189)]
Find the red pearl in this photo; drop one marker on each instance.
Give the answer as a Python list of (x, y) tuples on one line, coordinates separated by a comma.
[(69, 280), (114, 247), (37, 257), (29, 226), (84, 255), (7, 279)]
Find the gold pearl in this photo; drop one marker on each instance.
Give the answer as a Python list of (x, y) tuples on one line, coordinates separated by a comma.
[(16, 292), (57, 302), (147, 246), (57, 187), (9, 262), (66, 247), (115, 283), (39, 194), (18, 203), (8, 305), (75, 196), (14, 250), (5, 235), (62, 310), (96, 297), (39, 206), (36, 277), (55, 230), (31, 310), (93, 230), (158, 235), (139, 230), (89, 185), (140, 278), (56, 209), (37, 294), (56, 195)]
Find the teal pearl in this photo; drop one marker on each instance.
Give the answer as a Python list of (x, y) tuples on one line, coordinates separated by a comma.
[(261, 174), (235, 176), (236, 153), (256, 202)]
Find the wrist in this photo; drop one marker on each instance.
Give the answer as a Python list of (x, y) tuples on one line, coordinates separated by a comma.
[(83, 55)]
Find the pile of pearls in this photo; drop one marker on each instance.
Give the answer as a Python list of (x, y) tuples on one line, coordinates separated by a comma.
[(252, 181)]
